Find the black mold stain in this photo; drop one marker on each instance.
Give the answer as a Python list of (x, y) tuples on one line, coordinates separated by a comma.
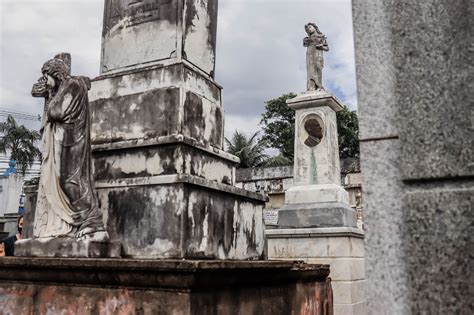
[(194, 122), (217, 131), (156, 113), (137, 221), (251, 238), (220, 225), (174, 159)]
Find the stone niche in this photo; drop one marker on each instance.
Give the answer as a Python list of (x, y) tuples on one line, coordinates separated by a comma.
[(137, 32)]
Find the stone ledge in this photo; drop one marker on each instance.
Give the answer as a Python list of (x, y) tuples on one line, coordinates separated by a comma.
[(316, 194), (175, 138), (312, 99), (66, 247), (316, 215), (152, 65), (176, 179), (315, 232), (320, 246), (174, 274)]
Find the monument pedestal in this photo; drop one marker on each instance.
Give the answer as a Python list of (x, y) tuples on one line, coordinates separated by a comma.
[(131, 286), (164, 183), (341, 247), (66, 247), (316, 223)]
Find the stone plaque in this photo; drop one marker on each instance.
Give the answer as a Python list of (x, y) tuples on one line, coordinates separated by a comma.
[(270, 217), (134, 11), (137, 32)]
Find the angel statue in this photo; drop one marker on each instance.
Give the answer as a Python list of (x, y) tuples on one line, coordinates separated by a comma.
[(316, 43)]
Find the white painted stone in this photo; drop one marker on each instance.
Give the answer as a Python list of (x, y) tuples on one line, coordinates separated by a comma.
[(348, 292), (316, 232), (297, 248), (10, 191), (316, 193), (350, 309), (158, 77), (345, 254), (319, 164), (124, 46), (270, 217), (339, 247), (311, 99)]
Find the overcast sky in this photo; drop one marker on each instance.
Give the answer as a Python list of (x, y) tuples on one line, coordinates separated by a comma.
[(259, 50)]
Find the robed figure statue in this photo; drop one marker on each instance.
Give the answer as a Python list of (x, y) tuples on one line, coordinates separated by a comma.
[(67, 203), (316, 43)]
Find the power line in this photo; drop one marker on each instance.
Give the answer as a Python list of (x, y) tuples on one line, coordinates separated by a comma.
[(19, 115)]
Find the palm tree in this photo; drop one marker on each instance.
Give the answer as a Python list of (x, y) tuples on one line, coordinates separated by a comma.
[(250, 151), (21, 143)]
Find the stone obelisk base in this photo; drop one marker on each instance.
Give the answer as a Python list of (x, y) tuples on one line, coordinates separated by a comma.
[(131, 286)]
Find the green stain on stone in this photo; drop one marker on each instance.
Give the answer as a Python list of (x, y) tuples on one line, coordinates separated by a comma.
[(314, 172)]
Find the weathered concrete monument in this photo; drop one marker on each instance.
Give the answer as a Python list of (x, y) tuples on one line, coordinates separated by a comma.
[(165, 189), (316, 223), (415, 86), (157, 136)]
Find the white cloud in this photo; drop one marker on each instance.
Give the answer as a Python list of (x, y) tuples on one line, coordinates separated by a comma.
[(259, 54)]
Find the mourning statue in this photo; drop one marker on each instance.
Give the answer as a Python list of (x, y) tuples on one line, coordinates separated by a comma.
[(67, 203), (316, 43)]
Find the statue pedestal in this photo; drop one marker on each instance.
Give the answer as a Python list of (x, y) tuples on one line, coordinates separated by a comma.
[(66, 247), (316, 223), (164, 183)]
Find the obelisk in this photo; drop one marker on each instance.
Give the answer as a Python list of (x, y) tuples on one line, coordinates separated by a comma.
[(164, 182)]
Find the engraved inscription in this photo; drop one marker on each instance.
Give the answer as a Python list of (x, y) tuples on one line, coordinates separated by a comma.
[(133, 12)]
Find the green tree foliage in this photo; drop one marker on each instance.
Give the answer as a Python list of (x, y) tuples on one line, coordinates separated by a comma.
[(278, 122), (21, 143), (250, 151), (348, 133)]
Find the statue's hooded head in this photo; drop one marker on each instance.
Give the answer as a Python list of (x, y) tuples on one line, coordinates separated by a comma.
[(56, 68), (311, 28)]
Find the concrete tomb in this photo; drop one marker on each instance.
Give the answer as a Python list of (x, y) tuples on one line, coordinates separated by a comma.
[(165, 189)]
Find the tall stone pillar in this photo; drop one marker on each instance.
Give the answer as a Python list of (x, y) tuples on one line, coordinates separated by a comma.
[(165, 185), (316, 224), (414, 79)]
